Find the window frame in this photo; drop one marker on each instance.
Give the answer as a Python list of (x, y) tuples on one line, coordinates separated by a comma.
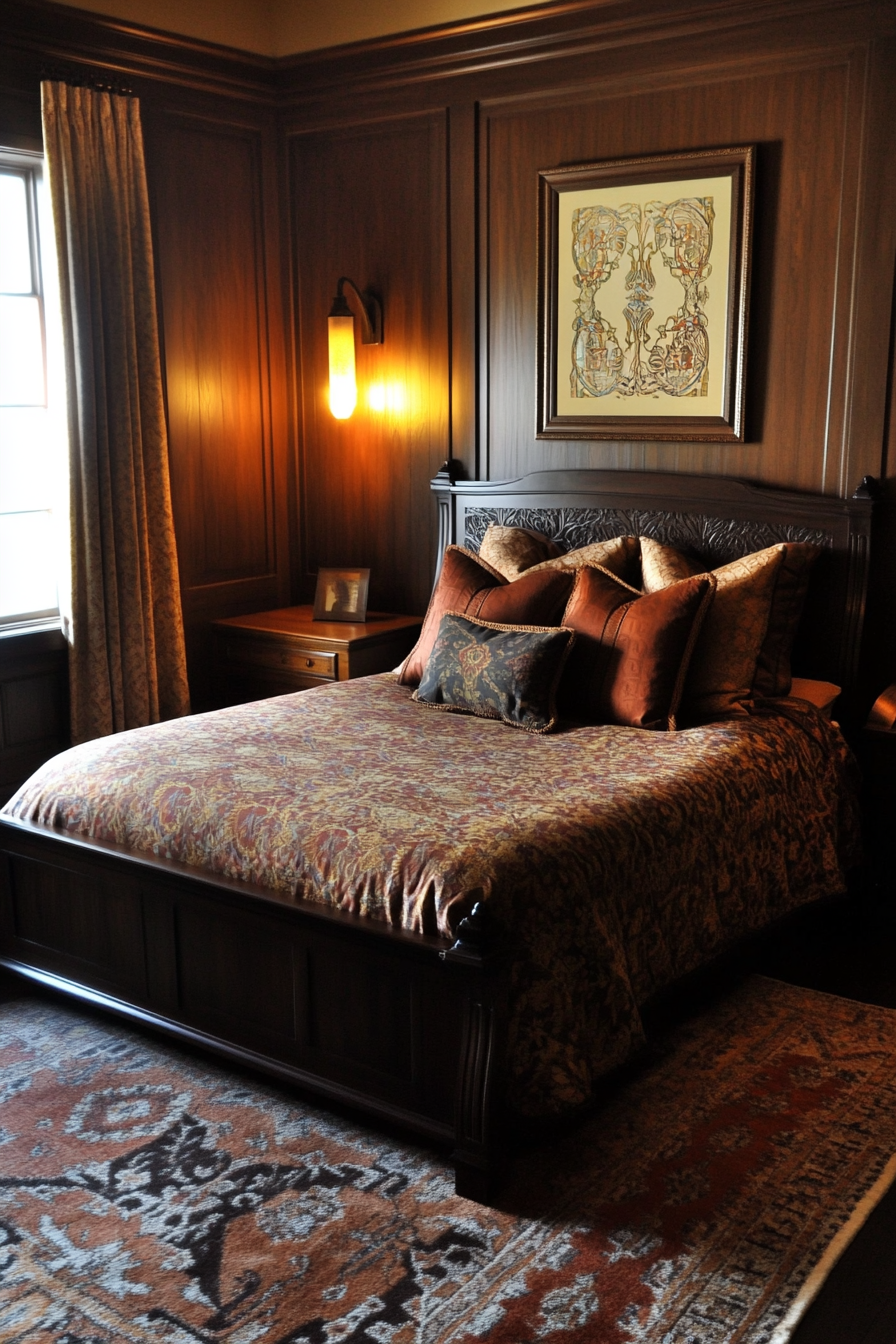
[(29, 162)]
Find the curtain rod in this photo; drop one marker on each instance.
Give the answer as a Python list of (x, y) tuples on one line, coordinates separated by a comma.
[(85, 79)]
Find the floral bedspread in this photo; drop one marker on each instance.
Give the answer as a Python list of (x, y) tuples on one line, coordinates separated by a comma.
[(616, 859)]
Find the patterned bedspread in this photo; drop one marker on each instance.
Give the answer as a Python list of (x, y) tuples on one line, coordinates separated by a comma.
[(616, 859)]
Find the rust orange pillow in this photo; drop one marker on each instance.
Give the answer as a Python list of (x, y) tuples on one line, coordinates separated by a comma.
[(632, 651), (470, 587)]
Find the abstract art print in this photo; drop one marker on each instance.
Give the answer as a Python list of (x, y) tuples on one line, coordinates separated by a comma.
[(643, 280)]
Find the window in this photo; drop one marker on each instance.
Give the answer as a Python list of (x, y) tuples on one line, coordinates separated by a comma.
[(33, 486)]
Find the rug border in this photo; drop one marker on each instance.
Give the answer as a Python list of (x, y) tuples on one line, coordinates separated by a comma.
[(818, 1276)]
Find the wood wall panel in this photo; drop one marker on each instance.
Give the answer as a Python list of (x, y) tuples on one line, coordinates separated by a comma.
[(34, 719), (810, 83), (370, 202), (228, 477), (211, 269)]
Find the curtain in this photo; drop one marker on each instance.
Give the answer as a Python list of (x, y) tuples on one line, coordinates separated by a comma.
[(127, 659)]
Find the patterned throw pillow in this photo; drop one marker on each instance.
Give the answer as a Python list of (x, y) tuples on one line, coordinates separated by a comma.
[(619, 555), (513, 550), (662, 565), (473, 588), (773, 671), (632, 651), (496, 671), (724, 665)]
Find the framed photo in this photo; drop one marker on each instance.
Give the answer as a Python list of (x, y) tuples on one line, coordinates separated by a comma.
[(341, 594), (644, 269)]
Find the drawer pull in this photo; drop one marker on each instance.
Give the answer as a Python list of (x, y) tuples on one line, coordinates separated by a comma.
[(260, 653)]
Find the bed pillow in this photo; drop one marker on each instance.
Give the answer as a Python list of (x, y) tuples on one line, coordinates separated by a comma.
[(472, 587), (773, 671), (821, 694), (513, 550), (619, 555), (662, 565), (506, 672), (632, 651), (723, 667)]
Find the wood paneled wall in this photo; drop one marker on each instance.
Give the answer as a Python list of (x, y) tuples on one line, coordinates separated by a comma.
[(809, 83), (370, 202), (214, 197), (409, 164)]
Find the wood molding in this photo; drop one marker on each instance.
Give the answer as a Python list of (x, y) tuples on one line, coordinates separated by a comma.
[(546, 33), (56, 34), (549, 32)]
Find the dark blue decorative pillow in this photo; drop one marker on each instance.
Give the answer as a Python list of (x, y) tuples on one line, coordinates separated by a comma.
[(507, 672)]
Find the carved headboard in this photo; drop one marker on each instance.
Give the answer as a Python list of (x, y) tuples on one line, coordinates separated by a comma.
[(711, 517)]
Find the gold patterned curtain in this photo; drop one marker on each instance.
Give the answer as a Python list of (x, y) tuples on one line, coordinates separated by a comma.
[(127, 659)]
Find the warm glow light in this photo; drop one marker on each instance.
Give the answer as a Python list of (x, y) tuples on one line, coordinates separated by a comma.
[(390, 397), (343, 387)]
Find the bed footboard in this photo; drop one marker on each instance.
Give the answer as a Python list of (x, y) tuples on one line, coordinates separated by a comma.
[(403, 1028)]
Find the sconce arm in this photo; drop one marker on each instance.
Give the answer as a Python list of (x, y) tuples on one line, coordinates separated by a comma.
[(369, 310)]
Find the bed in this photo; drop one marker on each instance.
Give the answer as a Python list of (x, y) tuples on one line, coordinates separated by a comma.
[(434, 918)]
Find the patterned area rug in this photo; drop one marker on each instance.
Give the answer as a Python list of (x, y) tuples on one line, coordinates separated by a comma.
[(146, 1195)]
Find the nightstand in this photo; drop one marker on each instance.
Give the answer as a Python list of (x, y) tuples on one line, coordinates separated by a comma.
[(274, 652)]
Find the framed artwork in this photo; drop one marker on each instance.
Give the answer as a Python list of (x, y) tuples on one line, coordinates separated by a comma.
[(644, 269), (341, 594)]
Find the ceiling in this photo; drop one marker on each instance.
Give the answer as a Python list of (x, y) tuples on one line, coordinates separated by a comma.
[(283, 27)]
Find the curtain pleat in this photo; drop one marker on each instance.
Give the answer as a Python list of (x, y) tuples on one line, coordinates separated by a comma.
[(127, 657)]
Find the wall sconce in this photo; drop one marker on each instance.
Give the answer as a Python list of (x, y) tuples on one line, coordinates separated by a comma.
[(341, 328)]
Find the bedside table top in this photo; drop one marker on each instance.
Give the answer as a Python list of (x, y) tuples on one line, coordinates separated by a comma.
[(298, 621)]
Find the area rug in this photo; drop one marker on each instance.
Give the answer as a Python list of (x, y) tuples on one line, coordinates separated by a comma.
[(150, 1195)]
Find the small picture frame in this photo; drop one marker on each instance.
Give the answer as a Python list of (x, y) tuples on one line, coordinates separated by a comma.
[(341, 594)]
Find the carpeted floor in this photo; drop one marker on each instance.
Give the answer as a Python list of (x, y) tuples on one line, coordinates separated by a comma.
[(146, 1194)]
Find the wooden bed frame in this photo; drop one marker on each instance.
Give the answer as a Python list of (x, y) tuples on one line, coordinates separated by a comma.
[(403, 1027)]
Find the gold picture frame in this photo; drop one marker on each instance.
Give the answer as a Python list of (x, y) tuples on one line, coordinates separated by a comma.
[(627, 348)]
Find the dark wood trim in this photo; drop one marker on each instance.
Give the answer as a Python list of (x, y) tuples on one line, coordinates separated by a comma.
[(538, 35), (438, 1131), (57, 35), (34, 711), (548, 32), (463, 272)]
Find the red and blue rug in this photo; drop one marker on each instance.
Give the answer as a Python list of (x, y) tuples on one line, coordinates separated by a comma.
[(148, 1195)]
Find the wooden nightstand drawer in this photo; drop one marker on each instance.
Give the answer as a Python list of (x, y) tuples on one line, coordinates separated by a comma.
[(278, 652), (274, 654)]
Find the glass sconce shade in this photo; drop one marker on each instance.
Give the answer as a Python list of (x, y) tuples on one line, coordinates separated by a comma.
[(341, 329), (343, 386)]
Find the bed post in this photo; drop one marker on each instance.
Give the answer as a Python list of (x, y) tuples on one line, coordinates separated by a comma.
[(447, 474), (478, 1098)]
